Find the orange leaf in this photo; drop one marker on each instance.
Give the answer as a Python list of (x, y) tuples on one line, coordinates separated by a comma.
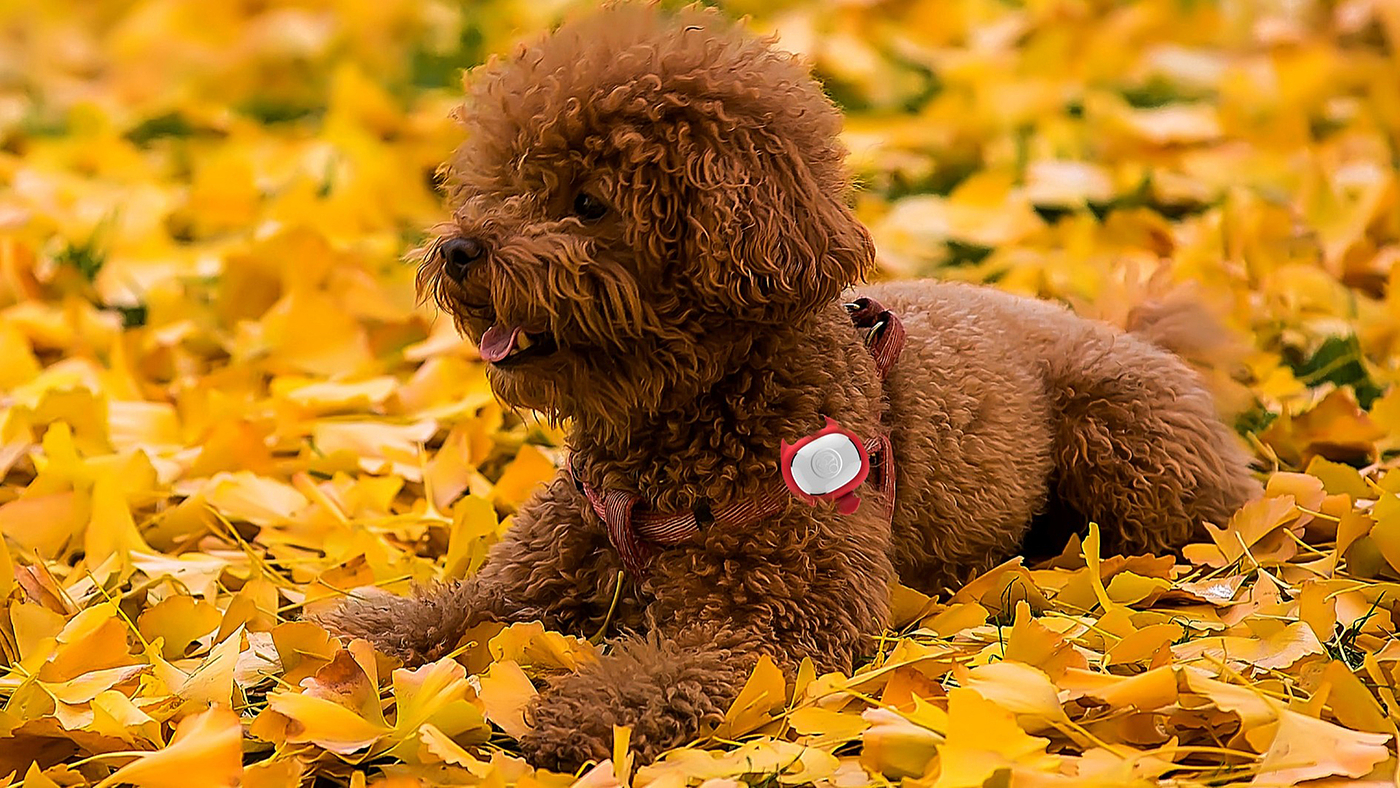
[(206, 751)]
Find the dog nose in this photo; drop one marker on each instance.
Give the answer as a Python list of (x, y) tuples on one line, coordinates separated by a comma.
[(459, 254)]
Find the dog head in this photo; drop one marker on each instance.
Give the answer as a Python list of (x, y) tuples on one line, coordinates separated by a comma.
[(639, 196)]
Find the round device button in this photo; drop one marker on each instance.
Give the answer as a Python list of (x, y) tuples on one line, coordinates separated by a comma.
[(826, 463)]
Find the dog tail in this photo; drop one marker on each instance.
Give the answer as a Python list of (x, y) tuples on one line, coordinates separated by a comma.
[(1181, 322)]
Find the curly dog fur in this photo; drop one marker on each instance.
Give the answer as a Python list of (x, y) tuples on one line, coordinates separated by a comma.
[(658, 202)]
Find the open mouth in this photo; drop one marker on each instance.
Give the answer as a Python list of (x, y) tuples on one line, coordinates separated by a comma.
[(507, 346)]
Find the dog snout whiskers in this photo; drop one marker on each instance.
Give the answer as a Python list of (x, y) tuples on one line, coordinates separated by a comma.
[(460, 255)]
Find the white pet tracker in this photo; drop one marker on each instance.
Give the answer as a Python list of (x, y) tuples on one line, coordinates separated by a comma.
[(827, 465)]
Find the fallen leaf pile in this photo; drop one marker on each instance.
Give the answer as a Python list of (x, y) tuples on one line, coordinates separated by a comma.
[(221, 406)]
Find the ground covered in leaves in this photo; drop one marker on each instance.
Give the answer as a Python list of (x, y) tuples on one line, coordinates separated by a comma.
[(220, 406)]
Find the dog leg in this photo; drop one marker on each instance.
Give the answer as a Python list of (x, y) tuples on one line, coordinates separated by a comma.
[(553, 565), (806, 585), (416, 629), (667, 689), (1139, 448)]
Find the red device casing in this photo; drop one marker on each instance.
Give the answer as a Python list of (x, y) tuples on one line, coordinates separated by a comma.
[(846, 501)]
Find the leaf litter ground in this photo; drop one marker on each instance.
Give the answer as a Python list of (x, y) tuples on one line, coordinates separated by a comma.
[(220, 406)]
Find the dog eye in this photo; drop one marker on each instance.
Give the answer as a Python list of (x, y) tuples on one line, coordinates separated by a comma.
[(589, 208)]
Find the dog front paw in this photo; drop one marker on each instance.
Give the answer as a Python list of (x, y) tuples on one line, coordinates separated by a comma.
[(561, 740), (667, 695), (574, 724), (416, 629)]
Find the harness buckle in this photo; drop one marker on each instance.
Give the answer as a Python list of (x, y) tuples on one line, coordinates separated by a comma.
[(875, 329)]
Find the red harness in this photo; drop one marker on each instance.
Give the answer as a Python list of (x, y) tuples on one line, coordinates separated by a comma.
[(634, 528)]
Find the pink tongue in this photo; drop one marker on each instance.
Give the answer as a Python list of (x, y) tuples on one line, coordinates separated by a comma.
[(497, 342)]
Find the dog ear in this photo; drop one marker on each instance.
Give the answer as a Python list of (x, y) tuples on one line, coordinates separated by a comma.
[(766, 237)]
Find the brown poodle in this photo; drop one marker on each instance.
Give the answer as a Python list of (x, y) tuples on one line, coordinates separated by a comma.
[(651, 238)]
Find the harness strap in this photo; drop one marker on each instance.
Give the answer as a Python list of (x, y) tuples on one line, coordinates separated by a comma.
[(887, 335), (634, 531)]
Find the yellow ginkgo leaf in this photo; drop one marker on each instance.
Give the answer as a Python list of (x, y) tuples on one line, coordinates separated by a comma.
[(211, 681), (304, 648), (344, 681), (1254, 529), (1142, 644), (907, 605), (94, 639), (523, 476), (440, 695), (622, 754), (1018, 688), (199, 572), (437, 746), (505, 692), (827, 724), (788, 762), (1338, 478), (7, 571), (256, 499), (475, 527), (149, 425), (983, 739), (1352, 702), (111, 531), (325, 723), (89, 685), (955, 618), (1146, 691), (329, 396), (178, 621), (1304, 748), (44, 523), (206, 752), (895, 746), (1281, 649), (764, 693), (530, 646), (1032, 642), (114, 714)]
